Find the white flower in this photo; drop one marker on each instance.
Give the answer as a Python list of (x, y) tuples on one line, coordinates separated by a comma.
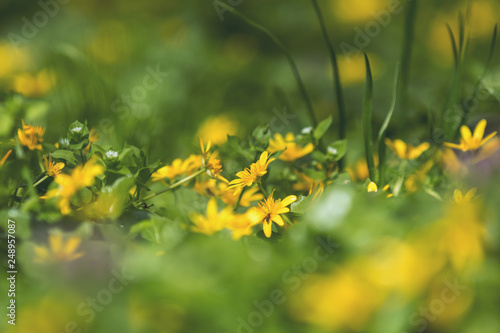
[(332, 150), (64, 142), (306, 130), (77, 129), (111, 154)]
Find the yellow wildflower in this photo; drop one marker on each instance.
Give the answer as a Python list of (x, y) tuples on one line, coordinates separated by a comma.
[(461, 198), (52, 167), (360, 169), (415, 181), (59, 249), (293, 151), (406, 151), (93, 137), (2, 161), (269, 211), (210, 161), (214, 221), (31, 136), (216, 129), (34, 85), (250, 195), (81, 176), (177, 168), (470, 141), (252, 175), (241, 224), (372, 187)]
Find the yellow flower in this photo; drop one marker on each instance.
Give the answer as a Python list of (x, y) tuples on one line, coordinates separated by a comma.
[(269, 211), (31, 136), (292, 151), (406, 151), (81, 176), (216, 129), (93, 137), (241, 224), (247, 198), (470, 141), (210, 161), (415, 181), (360, 169), (52, 167), (461, 198), (59, 249), (177, 168), (214, 221), (252, 175), (2, 161), (34, 85), (372, 187)]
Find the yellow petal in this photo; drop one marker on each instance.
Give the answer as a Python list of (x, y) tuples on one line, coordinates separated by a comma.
[(55, 241), (72, 244), (465, 132), (288, 200), (212, 207), (479, 130), (486, 139), (278, 220), (372, 187), (267, 228)]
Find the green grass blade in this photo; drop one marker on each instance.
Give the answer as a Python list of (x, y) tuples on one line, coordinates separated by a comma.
[(468, 106), (450, 112), (338, 91), (282, 46), (367, 119), (383, 129)]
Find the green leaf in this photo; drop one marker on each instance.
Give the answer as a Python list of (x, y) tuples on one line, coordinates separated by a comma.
[(338, 149), (260, 138), (322, 127), (66, 155), (367, 119), (301, 205)]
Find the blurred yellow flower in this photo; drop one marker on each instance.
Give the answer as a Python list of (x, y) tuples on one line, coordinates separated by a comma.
[(214, 220), (241, 224), (461, 198), (459, 235), (406, 151), (252, 175), (178, 168), (52, 168), (416, 180), (341, 301), (31, 136), (59, 250), (469, 141), (93, 137), (216, 129), (357, 11), (6, 156), (360, 169), (81, 176), (12, 60), (292, 151), (34, 85), (352, 68), (269, 211), (250, 195)]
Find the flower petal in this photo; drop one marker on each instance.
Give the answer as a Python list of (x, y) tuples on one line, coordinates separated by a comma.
[(267, 227), (479, 130)]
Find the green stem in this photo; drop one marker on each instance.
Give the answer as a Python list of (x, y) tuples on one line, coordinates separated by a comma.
[(262, 189), (282, 46), (40, 181), (400, 180), (287, 219), (179, 183), (336, 77)]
